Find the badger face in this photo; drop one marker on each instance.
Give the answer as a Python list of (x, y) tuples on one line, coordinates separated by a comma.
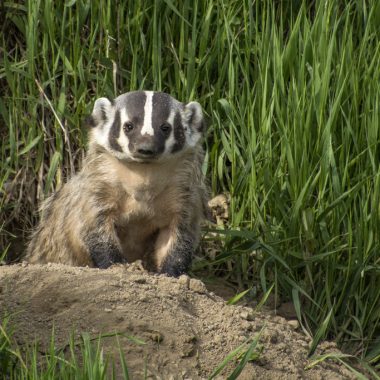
[(145, 126)]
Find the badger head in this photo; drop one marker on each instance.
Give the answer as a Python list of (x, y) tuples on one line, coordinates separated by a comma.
[(144, 126)]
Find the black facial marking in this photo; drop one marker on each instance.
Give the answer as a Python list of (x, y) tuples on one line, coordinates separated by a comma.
[(166, 129), (128, 127), (115, 133), (159, 142), (134, 104), (162, 105), (147, 146), (161, 108), (179, 134)]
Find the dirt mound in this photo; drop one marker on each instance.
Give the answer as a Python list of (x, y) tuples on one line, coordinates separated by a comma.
[(188, 331)]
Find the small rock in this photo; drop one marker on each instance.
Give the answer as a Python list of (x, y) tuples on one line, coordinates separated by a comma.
[(244, 314), (279, 319), (270, 336), (107, 310), (197, 286), (184, 280), (24, 264), (294, 324), (246, 326), (248, 316)]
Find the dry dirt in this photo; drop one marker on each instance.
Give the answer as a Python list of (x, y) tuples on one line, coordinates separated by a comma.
[(188, 330)]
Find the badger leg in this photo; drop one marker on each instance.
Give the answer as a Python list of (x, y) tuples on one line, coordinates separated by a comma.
[(103, 253), (103, 244), (174, 250)]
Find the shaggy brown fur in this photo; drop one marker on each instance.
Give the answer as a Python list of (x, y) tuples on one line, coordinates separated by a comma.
[(121, 210)]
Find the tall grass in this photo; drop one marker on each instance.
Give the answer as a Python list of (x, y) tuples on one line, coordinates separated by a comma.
[(291, 91)]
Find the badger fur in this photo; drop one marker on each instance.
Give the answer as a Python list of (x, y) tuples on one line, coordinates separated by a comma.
[(140, 193)]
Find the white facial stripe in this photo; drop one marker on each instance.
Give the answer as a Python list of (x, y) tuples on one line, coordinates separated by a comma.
[(124, 117), (123, 140), (148, 109), (170, 141), (171, 118)]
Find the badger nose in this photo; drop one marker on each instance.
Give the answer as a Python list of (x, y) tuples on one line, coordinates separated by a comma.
[(145, 152), (146, 149)]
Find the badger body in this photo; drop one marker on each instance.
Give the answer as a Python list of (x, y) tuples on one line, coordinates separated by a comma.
[(140, 193)]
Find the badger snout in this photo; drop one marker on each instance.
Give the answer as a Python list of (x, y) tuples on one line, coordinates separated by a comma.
[(145, 150)]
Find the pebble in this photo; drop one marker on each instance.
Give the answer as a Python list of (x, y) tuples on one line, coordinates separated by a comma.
[(246, 326), (279, 319), (197, 286), (184, 280), (271, 336), (248, 316), (294, 324)]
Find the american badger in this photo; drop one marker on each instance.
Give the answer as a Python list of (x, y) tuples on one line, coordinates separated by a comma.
[(140, 194)]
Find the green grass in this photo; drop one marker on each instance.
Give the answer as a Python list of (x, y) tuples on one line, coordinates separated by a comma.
[(82, 359), (291, 92), (86, 358)]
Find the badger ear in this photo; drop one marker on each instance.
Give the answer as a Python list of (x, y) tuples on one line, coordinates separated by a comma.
[(193, 122), (101, 113), (194, 117)]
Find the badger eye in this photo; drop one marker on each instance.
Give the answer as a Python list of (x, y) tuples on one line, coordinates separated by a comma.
[(165, 128), (128, 127)]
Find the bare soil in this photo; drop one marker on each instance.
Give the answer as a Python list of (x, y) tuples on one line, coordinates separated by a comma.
[(187, 329)]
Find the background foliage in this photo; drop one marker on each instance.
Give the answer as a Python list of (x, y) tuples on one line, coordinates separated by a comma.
[(291, 93)]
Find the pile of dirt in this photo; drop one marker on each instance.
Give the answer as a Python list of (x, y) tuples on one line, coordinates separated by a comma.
[(188, 330)]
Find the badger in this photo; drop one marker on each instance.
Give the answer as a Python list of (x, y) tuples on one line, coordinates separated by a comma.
[(140, 194)]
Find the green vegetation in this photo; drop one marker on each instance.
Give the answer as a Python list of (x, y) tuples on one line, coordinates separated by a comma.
[(85, 359), (78, 360), (291, 91)]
